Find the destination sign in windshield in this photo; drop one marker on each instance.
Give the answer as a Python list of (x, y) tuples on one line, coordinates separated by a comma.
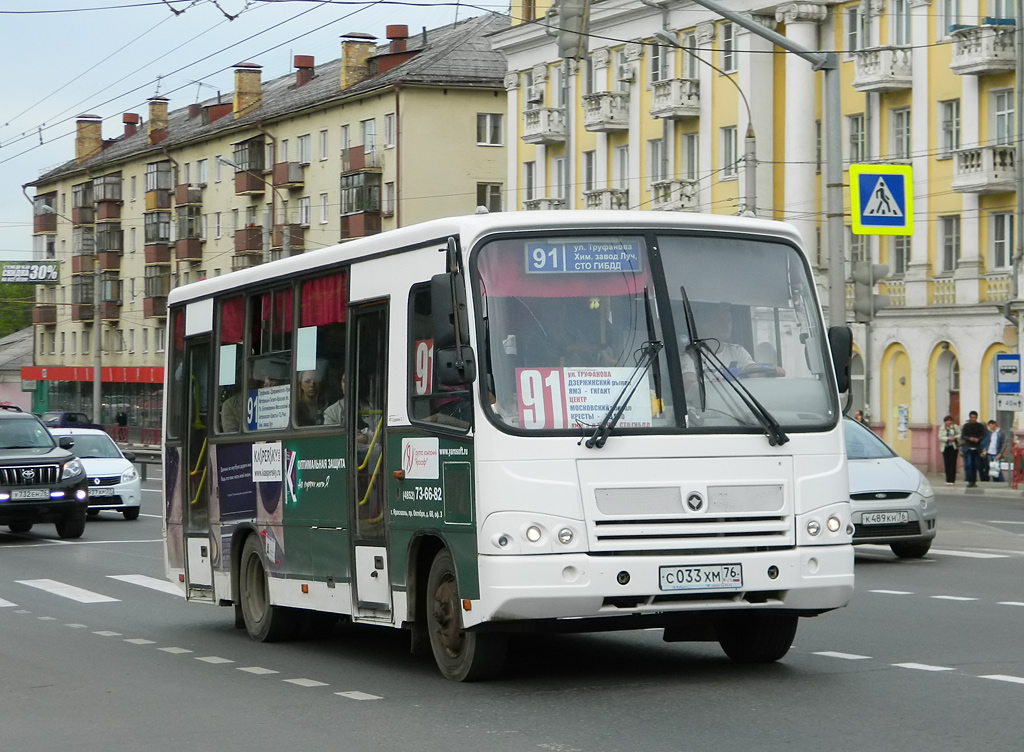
[(583, 257)]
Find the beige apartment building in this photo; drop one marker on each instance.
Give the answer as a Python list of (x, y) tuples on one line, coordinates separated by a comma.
[(385, 136)]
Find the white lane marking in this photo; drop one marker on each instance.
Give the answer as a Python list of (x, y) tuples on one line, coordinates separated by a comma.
[(214, 659), (107, 633), (164, 586), (47, 618), (175, 651), (968, 554), (306, 682), (23, 611), (358, 696), (6, 604), (68, 591), (1005, 678), (140, 641), (923, 667), (258, 670), (1010, 603), (952, 598), (892, 592), (844, 656), (44, 544), (77, 626)]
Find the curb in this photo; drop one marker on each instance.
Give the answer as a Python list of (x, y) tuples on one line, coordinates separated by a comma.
[(984, 488)]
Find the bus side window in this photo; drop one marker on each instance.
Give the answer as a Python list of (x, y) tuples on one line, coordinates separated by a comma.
[(430, 402), (320, 352), (230, 408), (267, 405)]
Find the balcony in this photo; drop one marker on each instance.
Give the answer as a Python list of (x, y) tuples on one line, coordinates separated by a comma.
[(158, 253), (606, 198), (44, 314), (675, 98), (249, 239), (188, 194), (83, 215), (155, 307), (81, 312), (543, 204), (984, 169), (289, 175), (110, 261), (108, 211), (882, 69), (983, 50), (158, 199), (44, 223), (83, 264), (245, 261), (295, 236), (545, 125), (360, 225), (189, 249), (674, 195), (606, 111), (249, 183), (110, 310), (358, 159)]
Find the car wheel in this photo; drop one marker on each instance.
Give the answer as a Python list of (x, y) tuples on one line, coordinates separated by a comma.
[(131, 513), (460, 655), (263, 622), (761, 637), (93, 512), (20, 527), (911, 550), (72, 526)]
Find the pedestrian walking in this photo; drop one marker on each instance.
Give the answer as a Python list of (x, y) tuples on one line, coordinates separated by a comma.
[(122, 425), (994, 452), (949, 445), (971, 434)]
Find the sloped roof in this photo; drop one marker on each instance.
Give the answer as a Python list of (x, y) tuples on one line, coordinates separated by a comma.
[(16, 350), (457, 55)]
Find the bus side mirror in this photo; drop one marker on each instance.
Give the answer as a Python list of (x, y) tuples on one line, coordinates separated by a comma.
[(840, 341), (448, 295), (450, 370)]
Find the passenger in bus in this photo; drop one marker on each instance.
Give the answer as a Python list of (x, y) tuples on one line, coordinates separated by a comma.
[(307, 410), (715, 328), (231, 412), (335, 415)]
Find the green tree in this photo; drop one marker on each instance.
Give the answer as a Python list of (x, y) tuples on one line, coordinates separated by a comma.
[(15, 307)]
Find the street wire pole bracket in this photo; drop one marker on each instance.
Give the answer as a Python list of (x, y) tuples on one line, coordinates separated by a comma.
[(881, 199)]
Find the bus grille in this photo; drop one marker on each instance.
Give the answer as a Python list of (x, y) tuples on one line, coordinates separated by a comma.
[(29, 475)]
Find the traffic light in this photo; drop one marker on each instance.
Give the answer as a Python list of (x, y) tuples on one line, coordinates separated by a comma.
[(572, 28), (865, 302)]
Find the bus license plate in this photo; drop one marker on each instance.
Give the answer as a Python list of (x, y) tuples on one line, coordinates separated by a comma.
[(884, 518), (101, 491), (29, 493), (702, 577)]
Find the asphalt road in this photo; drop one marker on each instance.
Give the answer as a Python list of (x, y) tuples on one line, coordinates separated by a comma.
[(929, 656)]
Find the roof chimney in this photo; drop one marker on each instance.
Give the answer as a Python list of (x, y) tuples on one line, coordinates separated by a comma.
[(356, 49), (248, 88), (397, 33), (194, 110), (303, 69), (88, 137), (156, 128), (131, 124)]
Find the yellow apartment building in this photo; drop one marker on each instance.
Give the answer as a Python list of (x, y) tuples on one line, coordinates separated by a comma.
[(638, 123), (385, 136)]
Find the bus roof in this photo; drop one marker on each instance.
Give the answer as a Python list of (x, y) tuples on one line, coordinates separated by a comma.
[(472, 227)]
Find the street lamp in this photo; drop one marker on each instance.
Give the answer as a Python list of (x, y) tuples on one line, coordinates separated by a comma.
[(749, 141), (268, 218)]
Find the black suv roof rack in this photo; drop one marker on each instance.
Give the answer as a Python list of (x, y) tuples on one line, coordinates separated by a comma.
[(13, 408)]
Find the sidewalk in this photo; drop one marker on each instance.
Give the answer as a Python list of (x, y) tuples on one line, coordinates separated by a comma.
[(984, 488)]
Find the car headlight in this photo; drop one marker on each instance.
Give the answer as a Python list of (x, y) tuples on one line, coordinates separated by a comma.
[(129, 475), (71, 469), (924, 487)]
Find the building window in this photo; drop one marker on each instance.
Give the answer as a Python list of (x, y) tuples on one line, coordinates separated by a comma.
[(131, 190), (323, 208), (856, 142), (489, 195), (621, 71), (250, 155), (950, 242), (217, 164), (186, 173), (158, 176), (63, 342), (948, 12), (74, 342), (858, 247), (157, 227), (900, 254), (282, 150), (690, 61), (305, 144), (389, 130), (368, 129), (360, 193), (620, 167), (202, 172), (488, 129), (558, 165), (86, 342), (388, 207), (728, 46), (854, 30), (659, 62), (343, 138), (1003, 103), (899, 22), (131, 340), (157, 281), (160, 338), (216, 225), (656, 160), (1002, 8), (323, 145), (949, 118), (107, 187), (901, 133), (729, 153), (691, 152), (588, 75), (529, 180), (145, 340), (304, 211), (1002, 240), (589, 168)]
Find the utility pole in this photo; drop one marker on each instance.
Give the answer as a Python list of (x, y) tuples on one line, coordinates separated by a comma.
[(97, 329)]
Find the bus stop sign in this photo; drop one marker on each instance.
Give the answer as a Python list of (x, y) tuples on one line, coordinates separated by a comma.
[(881, 200), (1007, 373)]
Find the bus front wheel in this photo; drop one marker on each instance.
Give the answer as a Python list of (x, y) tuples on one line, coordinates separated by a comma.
[(461, 655), (263, 622), (758, 637)]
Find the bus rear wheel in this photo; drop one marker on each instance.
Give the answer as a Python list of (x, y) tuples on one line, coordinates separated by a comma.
[(263, 622), (460, 655), (759, 637)]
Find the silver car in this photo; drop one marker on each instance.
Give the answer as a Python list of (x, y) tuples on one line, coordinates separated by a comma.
[(892, 501), (113, 481)]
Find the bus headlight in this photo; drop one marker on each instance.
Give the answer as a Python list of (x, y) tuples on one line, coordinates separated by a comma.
[(813, 527), (833, 524), (533, 533), (565, 536)]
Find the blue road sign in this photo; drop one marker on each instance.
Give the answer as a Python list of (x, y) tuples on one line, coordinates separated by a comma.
[(881, 199), (1007, 373)]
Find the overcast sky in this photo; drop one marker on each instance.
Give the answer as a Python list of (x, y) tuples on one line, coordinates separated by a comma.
[(59, 61)]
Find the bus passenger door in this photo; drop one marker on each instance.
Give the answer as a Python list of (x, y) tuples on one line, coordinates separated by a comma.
[(196, 471), (367, 423)]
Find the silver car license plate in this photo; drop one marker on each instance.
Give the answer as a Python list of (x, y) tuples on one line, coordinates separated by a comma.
[(701, 577), (101, 491), (884, 518)]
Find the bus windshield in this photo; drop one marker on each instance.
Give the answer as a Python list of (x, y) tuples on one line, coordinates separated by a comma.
[(566, 321)]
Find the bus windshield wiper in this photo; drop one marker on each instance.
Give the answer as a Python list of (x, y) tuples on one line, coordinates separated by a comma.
[(693, 347), (776, 436), (648, 350)]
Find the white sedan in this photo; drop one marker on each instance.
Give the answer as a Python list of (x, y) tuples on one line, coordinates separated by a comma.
[(113, 480), (892, 501)]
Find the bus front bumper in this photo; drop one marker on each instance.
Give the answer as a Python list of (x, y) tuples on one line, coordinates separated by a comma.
[(809, 580)]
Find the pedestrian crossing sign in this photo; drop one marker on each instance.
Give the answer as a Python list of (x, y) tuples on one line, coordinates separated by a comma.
[(881, 199)]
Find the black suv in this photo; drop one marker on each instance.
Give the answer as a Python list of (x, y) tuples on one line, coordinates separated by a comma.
[(40, 480)]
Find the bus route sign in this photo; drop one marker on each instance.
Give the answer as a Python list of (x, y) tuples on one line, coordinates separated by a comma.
[(881, 199), (583, 257)]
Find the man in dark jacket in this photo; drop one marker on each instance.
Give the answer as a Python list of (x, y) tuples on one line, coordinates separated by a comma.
[(971, 434)]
